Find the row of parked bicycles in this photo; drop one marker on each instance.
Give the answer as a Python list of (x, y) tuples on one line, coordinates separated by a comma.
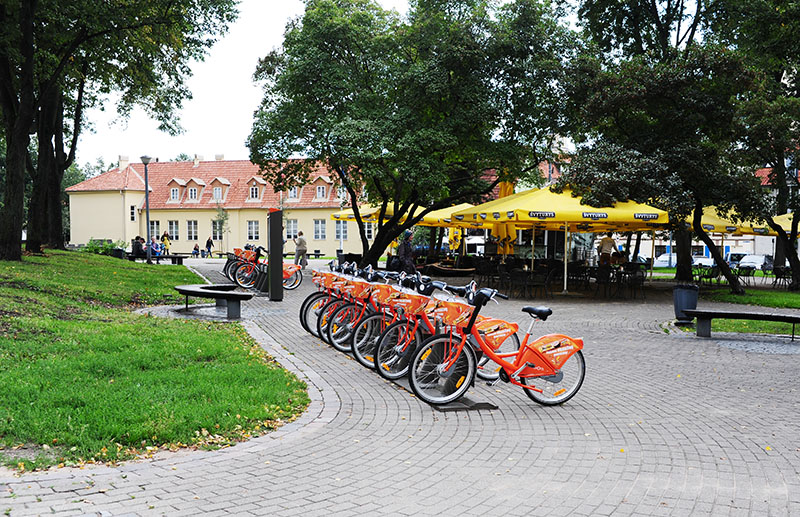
[(245, 265), (434, 334)]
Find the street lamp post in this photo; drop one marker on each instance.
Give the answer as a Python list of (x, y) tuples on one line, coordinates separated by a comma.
[(146, 160)]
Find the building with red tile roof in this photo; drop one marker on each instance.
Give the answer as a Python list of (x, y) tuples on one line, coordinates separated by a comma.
[(185, 199)]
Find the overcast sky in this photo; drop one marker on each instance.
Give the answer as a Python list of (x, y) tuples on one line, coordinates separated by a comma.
[(219, 117)]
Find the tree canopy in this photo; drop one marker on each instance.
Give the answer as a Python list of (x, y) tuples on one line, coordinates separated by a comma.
[(56, 57), (423, 112)]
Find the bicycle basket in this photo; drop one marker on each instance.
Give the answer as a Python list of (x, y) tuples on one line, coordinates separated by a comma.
[(454, 313), (495, 331)]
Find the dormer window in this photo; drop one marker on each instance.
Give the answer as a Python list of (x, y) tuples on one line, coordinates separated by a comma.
[(192, 193), (217, 192), (321, 192), (254, 192), (173, 194), (341, 193), (293, 192)]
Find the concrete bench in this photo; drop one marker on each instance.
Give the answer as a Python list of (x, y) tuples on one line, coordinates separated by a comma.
[(315, 254), (224, 294), (705, 316)]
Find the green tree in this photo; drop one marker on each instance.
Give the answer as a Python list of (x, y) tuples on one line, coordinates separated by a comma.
[(411, 113), (765, 31), (665, 133), (49, 50)]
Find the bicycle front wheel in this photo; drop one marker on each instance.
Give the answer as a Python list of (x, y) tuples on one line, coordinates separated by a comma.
[(364, 339), (341, 326), (324, 318), (245, 275), (436, 376), (308, 310), (395, 348), (558, 388)]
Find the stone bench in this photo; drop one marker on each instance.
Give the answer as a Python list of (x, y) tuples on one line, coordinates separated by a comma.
[(224, 294), (176, 259), (704, 317)]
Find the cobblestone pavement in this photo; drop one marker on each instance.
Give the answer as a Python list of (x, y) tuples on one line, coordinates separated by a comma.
[(665, 424)]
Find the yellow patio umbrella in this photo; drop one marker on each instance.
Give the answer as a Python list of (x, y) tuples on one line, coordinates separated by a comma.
[(544, 208), (370, 213), (785, 221)]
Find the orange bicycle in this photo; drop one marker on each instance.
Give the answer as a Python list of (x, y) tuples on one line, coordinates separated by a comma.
[(550, 369), (244, 271)]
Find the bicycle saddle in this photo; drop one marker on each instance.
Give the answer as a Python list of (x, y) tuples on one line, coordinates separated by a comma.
[(540, 312)]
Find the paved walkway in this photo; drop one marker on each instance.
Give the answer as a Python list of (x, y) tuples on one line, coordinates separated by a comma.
[(665, 424)]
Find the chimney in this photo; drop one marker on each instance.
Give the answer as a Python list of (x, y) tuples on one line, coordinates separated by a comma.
[(197, 159), (123, 162), (219, 157)]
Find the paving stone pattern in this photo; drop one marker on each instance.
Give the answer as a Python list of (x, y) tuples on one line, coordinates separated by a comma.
[(665, 424)]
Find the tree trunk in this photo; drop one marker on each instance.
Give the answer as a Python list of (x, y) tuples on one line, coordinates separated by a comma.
[(683, 251), (788, 241), (733, 280), (46, 165), (439, 243), (12, 211), (18, 105), (431, 258), (628, 245), (638, 245), (778, 180)]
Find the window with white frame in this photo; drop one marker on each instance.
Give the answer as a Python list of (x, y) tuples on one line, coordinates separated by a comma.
[(155, 227), (341, 193), (193, 193), (341, 230), (173, 230), (321, 192), (294, 192), (254, 192), (133, 212), (319, 229), (252, 231), (368, 230), (217, 193), (173, 194), (291, 228), (216, 230), (191, 230)]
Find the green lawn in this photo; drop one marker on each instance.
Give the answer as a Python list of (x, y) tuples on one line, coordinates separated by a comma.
[(83, 379), (752, 327)]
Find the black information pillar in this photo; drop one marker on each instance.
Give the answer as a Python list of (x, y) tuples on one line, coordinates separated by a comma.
[(275, 245)]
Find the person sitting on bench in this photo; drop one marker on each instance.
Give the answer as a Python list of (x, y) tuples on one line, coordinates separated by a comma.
[(138, 248)]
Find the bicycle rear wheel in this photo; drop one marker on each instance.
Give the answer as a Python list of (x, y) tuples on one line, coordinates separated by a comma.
[(395, 348), (429, 375), (340, 328), (364, 339), (245, 275), (559, 388), (293, 282)]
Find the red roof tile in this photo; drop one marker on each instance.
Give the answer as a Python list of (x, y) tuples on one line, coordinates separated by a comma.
[(763, 175), (239, 174)]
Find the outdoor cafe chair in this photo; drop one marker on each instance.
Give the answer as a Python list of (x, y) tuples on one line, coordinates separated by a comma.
[(746, 274)]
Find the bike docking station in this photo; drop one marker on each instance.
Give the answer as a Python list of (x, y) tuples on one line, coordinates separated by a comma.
[(269, 281), (465, 403)]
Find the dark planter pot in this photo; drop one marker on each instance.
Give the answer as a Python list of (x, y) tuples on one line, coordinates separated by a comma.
[(684, 297)]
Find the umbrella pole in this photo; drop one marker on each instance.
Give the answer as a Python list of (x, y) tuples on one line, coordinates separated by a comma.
[(566, 244), (652, 253), (533, 248)]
